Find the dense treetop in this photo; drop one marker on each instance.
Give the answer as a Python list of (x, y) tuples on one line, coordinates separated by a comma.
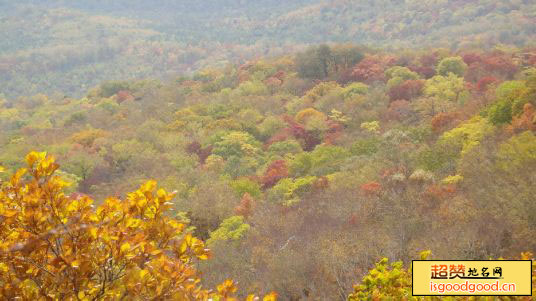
[(302, 171)]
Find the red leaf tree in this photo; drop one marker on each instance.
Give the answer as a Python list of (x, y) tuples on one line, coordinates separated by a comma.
[(276, 171)]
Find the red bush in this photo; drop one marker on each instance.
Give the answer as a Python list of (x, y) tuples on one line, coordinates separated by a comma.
[(124, 96), (276, 171), (483, 83), (398, 110), (245, 207), (407, 90), (442, 121), (202, 153), (371, 188)]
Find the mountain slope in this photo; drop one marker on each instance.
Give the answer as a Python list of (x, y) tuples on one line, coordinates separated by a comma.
[(68, 46)]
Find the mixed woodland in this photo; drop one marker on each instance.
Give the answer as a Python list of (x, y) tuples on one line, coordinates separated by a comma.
[(298, 172), (261, 150)]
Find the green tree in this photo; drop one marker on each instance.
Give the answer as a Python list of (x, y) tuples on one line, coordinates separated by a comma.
[(454, 65), (315, 62), (232, 228), (518, 152)]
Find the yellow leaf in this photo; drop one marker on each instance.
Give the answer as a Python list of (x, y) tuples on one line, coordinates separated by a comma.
[(143, 273), (149, 186), (3, 267), (73, 206), (150, 212), (75, 264), (156, 252), (270, 297), (133, 223), (425, 254), (251, 298), (2, 168), (16, 177), (93, 233), (93, 217), (32, 157), (81, 295), (9, 213), (161, 193), (125, 247)]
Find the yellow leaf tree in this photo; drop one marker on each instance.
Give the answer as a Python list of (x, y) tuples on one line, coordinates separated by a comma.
[(57, 247)]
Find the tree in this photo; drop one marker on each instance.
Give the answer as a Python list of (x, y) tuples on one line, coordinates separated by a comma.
[(87, 137), (276, 171), (398, 74), (110, 88), (441, 94), (518, 152), (467, 135), (454, 65), (398, 110), (244, 185), (82, 164), (525, 121), (319, 91), (289, 192), (314, 62), (56, 247), (372, 68), (325, 58), (346, 56), (443, 120), (245, 207), (202, 153), (354, 89), (484, 83), (407, 90), (232, 228), (371, 188), (236, 144), (392, 281), (500, 112), (450, 87)]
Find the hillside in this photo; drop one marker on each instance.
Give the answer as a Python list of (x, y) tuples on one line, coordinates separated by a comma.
[(301, 171), (70, 46)]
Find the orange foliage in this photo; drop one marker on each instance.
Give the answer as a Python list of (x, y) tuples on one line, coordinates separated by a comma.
[(372, 68), (321, 183), (276, 171), (87, 137), (124, 95), (525, 121), (407, 90), (442, 121), (59, 247), (371, 188), (245, 207), (398, 110), (483, 84)]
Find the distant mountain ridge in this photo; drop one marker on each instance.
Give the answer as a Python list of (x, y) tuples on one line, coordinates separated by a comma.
[(68, 46)]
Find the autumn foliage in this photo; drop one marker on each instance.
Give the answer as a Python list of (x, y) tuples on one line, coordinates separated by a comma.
[(371, 188), (246, 206), (276, 171), (59, 247), (392, 281), (407, 90)]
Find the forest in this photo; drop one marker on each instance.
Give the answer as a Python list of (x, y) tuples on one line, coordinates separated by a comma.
[(158, 165), (68, 47), (301, 171)]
